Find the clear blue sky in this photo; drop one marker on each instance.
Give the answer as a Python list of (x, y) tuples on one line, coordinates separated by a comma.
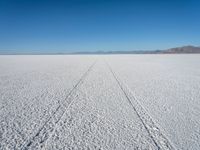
[(91, 25)]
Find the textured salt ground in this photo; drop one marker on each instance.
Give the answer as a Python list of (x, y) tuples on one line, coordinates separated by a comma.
[(97, 113), (31, 90), (167, 86), (99, 117)]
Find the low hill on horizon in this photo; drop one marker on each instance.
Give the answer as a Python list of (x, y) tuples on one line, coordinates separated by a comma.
[(184, 49), (177, 50)]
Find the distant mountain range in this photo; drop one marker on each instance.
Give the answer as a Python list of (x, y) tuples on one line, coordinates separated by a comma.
[(184, 49), (178, 50)]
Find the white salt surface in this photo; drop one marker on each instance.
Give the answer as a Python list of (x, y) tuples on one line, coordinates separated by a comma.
[(100, 102)]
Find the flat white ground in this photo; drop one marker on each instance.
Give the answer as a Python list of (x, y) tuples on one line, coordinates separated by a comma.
[(100, 102)]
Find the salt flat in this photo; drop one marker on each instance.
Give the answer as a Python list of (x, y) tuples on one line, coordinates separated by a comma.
[(168, 87), (100, 102)]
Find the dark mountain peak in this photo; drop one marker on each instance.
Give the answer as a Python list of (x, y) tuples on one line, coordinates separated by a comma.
[(184, 49)]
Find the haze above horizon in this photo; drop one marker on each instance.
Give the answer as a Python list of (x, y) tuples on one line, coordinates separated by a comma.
[(92, 25)]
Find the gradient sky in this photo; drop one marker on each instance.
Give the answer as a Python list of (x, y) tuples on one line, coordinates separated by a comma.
[(92, 25)]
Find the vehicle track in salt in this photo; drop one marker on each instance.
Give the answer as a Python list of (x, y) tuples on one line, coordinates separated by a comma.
[(98, 118), (154, 131), (45, 131)]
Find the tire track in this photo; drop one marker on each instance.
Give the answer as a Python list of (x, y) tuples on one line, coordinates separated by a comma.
[(97, 118), (50, 124), (157, 136)]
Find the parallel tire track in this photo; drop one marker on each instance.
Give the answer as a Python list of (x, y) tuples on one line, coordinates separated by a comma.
[(157, 136), (50, 124)]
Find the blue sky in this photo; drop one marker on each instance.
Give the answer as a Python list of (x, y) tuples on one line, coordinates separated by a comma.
[(92, 25)]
